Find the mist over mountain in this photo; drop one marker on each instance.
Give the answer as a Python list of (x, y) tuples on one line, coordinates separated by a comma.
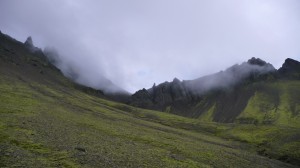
[(76, 83), (224, 95), (137, 43), (81, 77), (73, 72), (230, 77), (226, 79)]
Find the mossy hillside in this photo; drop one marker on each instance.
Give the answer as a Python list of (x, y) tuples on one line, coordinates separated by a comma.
[(208, 115), (273, 121), (273, 141), (277, 103), (16, 138), (46, 125), (267, 137), (260, 109), (290, 104)]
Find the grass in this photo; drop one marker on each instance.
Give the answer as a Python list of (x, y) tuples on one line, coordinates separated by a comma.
[(277, 103), (45, 126), (208, 116)]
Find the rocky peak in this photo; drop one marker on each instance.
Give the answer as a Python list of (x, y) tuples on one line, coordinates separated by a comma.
[(257, 61), (176, 80), (290, 65), (142, 93), (28, 42), (29, 45)]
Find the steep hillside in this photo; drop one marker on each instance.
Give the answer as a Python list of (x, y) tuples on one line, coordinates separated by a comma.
[(48, 121), (253, 92)]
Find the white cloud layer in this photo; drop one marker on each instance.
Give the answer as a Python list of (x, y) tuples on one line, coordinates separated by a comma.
[(135, 43)]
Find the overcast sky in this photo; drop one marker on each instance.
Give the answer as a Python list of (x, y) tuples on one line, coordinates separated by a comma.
[(136, 43)]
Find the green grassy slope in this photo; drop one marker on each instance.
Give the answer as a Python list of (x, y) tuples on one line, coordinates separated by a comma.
[(54, 126), (46, 121), (275, 103)]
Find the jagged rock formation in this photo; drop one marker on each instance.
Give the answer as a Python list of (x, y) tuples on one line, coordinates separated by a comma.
[(225, 95), (29, 43), (189, 90)]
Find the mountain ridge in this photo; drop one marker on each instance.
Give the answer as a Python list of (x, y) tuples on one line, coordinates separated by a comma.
[(225, 95)]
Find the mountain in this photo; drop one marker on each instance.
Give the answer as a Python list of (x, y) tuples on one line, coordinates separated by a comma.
[(47, 120), (252, 92)]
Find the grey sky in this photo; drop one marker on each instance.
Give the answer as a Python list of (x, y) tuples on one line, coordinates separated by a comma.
[(135, 43)]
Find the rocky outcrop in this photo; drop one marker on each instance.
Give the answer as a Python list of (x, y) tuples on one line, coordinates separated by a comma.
[(257, 61), (142, 98), (29, 43), (35, 50), (290, 69)]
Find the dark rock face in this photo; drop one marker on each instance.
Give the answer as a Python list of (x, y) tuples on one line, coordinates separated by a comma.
[(142, 98), (290, 66)]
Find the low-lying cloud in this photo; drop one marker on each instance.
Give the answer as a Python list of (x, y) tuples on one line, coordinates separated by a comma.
[(73, 71), (230, 77), (137, 43)]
